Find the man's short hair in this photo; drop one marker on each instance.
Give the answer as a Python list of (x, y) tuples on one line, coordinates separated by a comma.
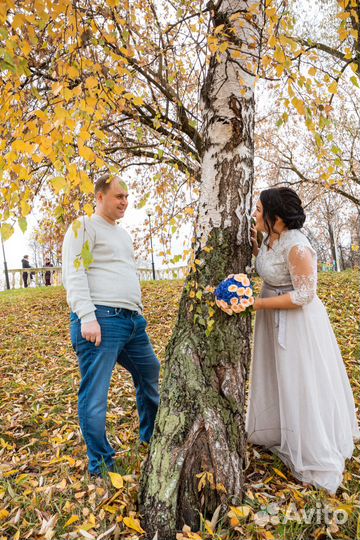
[(102, 184)]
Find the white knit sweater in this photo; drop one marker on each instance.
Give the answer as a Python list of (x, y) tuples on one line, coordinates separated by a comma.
[(111, 278)]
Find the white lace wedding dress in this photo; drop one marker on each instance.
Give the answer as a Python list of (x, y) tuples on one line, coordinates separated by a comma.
[(301, 404)]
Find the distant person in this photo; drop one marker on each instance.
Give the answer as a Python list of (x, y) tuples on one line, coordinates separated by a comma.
[(48, 274), (25, 264), (107, 325)]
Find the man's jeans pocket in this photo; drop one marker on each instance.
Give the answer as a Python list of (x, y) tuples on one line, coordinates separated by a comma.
[(74, 335)]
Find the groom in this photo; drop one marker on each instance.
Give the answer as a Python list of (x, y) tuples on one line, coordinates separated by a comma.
[(107, 326)]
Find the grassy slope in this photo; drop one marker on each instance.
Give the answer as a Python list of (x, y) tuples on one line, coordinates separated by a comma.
[(43, 480)]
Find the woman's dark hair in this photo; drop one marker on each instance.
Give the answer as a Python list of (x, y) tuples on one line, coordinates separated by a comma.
[(284, 203)]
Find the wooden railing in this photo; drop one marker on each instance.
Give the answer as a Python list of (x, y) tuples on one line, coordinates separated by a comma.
[(36, 276)]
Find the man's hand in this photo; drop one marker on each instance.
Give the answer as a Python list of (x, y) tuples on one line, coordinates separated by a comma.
[(91, 331)]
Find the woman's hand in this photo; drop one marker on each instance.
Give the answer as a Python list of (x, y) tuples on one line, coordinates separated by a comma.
[(255, 245), (257, 304)]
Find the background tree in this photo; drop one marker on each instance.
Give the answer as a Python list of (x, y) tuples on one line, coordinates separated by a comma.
[(319, 69)]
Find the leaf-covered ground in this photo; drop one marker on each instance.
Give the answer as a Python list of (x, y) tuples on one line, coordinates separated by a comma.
[(45, 491)]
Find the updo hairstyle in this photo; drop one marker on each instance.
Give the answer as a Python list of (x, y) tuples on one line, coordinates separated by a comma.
[(285, 203)]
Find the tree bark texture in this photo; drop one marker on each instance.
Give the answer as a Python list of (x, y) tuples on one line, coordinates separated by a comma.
[(200, 424)]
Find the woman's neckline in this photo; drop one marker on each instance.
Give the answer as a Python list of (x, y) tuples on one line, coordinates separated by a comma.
[(277, 240)]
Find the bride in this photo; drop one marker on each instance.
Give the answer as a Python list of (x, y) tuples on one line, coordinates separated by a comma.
[(301, 405)]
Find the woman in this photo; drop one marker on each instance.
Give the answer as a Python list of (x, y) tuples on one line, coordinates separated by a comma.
[(301, 405)]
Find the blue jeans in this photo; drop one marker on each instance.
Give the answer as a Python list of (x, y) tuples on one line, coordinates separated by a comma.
[(123, 340)]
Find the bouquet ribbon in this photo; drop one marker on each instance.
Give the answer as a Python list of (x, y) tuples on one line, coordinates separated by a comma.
[(280, 314)]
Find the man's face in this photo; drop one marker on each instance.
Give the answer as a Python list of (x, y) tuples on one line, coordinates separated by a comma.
[(115, 201)]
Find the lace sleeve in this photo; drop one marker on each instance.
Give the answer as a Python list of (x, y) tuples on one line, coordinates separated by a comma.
[(302, 268)]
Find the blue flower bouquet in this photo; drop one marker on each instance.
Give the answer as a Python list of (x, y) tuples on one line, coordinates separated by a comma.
[(235, 294)]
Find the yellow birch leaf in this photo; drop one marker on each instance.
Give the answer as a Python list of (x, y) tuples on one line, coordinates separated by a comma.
[(71, 520), (6, 231), (111, 509), (343, 15), (213, 47), (279, 70), (18, 20), (60, 113), (19, 146), (58, 183), (68, 94), (333, 88), (91, 82), (299, 105), (266, 61), (235, 54), (270, 11), (26, 47), (22, 224), (133, 524), (86, 184), (224, 46), (25, 208), (116, 479), (279, 473), (272, 41), (4, 513), (84, 135), (219, 28), (284, 40), (312, 71), (72, 71), (241, 511), (279, 55), (76, 226), (128, 96), (209, 528), (86, 152), (138, 101), (88, 209)]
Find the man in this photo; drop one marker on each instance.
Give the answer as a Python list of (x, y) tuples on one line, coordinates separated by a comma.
[(48, 274), (106, 321), (25, 264)]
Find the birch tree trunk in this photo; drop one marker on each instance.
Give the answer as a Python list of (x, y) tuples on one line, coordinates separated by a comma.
[(200, 424)]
